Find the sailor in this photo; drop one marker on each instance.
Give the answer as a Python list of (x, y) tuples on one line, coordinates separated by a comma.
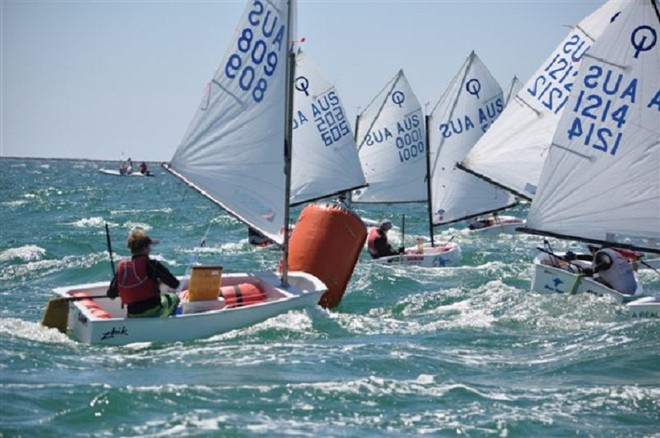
[(257, 239), (377, 243), (613, 270), (137, 281)]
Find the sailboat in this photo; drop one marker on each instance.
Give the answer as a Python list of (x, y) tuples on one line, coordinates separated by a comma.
[(325, 161), (392, 147), (325, 157), (472, 102), (237, 154), (512, 152), (600, 183)]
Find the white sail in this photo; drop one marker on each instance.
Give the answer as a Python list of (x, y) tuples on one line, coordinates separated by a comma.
[(469, 106), (512, 152), (601, 181), (514, 88), (232, 152), (391, 139), (325, 158)]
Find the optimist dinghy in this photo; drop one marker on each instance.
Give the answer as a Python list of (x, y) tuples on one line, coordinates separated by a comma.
[(103, 321), (239, 122), (600, 181), (392, 146)]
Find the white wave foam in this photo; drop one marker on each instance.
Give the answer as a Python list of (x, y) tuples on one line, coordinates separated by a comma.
[(90, 222), (44, 267), (13, 327), (16, 203), (26, 253)]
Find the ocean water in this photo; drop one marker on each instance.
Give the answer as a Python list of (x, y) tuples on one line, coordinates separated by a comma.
[(464, 351)]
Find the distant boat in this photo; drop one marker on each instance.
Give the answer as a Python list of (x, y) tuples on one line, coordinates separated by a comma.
[(600, 182), (115, 172)]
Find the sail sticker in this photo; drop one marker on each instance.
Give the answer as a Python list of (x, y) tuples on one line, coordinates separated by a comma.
[(302, 84), (639, 37), (553, 85), (255, 58), (473, 86), (398, 98)]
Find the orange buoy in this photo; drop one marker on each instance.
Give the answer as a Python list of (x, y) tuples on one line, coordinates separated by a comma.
[(326, 242), (242, 294)]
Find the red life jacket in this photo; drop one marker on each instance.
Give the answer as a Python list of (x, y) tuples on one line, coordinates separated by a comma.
[(374, 235), (133, 283)]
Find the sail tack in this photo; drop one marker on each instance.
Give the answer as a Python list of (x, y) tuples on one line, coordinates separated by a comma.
[(601, 181), (512, 152), (391, 143), (469, 106), (232, 152)]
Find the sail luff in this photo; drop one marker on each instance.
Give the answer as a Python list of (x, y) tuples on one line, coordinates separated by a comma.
[(429, 207), (288, 137)]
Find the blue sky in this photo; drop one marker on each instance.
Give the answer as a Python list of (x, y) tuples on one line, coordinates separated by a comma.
[(95, 79)]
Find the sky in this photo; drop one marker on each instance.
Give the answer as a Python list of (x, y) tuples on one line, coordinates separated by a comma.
[(111, 79)]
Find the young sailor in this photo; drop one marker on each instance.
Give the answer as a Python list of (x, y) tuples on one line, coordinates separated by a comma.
[(377, 243), (609, 267), (137, 281)]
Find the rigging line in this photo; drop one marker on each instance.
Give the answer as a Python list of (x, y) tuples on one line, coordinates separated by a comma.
[(195, 254)]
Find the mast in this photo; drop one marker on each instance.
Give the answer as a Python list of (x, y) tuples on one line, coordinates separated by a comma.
[(288, 136), (427, 121)]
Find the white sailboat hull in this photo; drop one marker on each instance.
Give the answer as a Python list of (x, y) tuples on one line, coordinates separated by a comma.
[(504, 225), (304, 291), (441, 256), (645, 307), (552, 279), (115, 172)]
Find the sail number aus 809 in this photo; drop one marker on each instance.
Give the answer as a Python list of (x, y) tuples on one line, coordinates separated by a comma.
[(254, 61)]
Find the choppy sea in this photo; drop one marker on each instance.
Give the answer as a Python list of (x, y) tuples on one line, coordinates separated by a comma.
[(465, 351)]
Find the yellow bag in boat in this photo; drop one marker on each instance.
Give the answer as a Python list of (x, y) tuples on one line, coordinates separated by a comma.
[(204, 283)]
